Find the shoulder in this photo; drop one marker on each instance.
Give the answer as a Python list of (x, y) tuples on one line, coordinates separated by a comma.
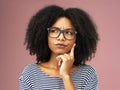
[(87, 68), (29, 70), (90, 77), (29, 67), (87, 71)]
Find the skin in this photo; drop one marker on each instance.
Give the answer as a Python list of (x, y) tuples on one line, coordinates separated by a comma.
[(62, 56)]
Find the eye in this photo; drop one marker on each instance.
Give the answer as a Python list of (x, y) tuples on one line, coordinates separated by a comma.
[(70, 32), (53, 30)]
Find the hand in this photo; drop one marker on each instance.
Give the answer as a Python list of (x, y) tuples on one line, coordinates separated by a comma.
[(65, 62)]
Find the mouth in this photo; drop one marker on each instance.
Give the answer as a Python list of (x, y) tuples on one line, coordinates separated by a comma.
[(60, 45)]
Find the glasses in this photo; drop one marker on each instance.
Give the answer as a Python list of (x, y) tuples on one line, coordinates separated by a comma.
[(68, 34)]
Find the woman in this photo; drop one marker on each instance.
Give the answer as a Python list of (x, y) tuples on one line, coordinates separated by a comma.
[(62, 40)]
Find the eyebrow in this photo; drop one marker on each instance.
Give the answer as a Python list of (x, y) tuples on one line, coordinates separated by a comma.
[(70, 28)]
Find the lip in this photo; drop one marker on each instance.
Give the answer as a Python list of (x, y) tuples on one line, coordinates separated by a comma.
[(60, 45)]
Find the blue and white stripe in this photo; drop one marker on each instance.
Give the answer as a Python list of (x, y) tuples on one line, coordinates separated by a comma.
[(33, 78)]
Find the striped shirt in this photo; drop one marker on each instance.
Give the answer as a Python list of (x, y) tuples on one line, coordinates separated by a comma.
[(33, 78)]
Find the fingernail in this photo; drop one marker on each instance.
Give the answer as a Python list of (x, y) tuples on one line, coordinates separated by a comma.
[(75, 44)]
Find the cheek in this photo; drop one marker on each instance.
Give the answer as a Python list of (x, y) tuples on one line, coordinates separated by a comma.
[(50, 43), (71, 44)]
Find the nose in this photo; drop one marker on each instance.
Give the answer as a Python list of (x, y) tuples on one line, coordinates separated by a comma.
[(61, 36)]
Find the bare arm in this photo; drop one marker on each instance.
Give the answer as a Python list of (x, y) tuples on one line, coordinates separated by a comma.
[(65, 64), (68, 84)]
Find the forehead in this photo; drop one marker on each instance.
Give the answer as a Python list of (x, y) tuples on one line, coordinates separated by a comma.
[(63, 23)]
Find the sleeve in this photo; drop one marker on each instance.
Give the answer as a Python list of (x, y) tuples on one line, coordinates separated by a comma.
[(24, 80), (23, 85), (92, 80)]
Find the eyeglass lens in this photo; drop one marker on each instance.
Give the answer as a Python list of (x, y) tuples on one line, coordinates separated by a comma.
[(68, 33)]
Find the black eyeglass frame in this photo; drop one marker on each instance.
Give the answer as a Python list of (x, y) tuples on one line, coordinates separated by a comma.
[(61, 31)]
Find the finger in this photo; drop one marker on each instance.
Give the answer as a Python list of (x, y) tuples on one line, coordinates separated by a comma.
[(60, 62), (58, 58), (67, 56), (61, 59), (72, 50)]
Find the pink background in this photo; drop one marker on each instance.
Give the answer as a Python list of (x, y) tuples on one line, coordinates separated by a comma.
[(14, 17)]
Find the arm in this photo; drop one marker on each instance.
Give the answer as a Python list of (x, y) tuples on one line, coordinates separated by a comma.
[(68, 84), (65, 64)]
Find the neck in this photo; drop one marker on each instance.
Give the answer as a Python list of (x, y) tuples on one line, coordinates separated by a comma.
[(52, 63)]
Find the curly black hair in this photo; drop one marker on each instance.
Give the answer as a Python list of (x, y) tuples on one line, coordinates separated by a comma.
[(36, 39)]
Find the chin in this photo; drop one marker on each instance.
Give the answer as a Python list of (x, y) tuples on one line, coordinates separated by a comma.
[(61, 52)]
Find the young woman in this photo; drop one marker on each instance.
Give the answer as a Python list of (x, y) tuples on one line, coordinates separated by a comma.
[(62, 40)]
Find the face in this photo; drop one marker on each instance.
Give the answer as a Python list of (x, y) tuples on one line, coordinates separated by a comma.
[(60, 45)]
